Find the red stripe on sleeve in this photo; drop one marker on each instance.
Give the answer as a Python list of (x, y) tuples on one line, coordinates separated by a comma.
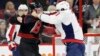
[(11, 32)]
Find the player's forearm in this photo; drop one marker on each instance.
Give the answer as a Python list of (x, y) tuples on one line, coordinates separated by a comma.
[(10, 32), (52, 19)]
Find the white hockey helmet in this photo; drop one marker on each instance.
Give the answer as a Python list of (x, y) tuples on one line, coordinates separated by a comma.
[(64, 5), (23, 6)]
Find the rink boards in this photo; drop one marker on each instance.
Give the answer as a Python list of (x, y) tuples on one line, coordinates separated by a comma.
[(47, 50)]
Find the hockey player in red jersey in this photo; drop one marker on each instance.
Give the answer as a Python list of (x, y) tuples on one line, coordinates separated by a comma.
[(23, 33)]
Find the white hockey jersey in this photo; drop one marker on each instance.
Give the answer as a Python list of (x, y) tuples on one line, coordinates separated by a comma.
[(66, 23)]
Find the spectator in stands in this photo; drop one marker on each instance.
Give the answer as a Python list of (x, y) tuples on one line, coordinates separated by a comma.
[(92, 14), (85, 6), (2, 31), (70, 2), (9, 10), (74, 4)]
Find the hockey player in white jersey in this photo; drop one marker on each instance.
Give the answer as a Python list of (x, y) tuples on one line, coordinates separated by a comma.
[(66, 23)]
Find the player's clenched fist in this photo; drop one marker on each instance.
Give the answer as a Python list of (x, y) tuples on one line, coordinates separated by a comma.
[(19, 19), (12, 45)]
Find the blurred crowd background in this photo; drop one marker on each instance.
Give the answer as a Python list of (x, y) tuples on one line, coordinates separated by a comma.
[(91, 16)]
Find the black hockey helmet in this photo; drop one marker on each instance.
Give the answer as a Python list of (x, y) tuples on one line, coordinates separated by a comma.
[(34, 5)]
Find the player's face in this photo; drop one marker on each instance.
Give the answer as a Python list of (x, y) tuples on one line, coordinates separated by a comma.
[(25, 12), (39, 10), (22, 12)]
